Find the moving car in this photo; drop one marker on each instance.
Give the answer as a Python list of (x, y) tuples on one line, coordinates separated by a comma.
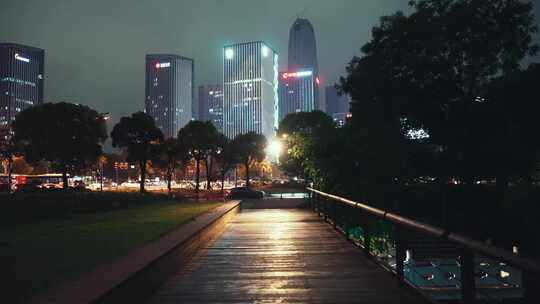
[(245, 192)]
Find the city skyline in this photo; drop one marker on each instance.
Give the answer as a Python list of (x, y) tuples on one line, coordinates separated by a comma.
[(102, 65)]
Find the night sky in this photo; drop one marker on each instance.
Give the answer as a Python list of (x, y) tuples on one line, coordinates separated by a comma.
[(95, 49)]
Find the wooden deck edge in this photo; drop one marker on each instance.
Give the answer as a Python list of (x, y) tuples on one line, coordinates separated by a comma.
[(133, 278), (407, 286)]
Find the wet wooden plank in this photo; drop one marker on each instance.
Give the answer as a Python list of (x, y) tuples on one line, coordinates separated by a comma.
[(282, 256)]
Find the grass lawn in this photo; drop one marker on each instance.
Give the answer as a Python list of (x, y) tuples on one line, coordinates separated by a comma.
[(35, 257)]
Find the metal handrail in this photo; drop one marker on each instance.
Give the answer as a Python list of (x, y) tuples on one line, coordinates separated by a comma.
[(463, 241)]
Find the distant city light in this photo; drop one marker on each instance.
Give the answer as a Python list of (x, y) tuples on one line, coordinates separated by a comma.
[(20, 58), (163, 65), (229, 53), (318, 81), (417, 134), (265, 51), (297, 74), (504, 274)]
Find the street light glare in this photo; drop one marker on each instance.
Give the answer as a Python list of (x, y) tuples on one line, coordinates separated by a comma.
[(274, 148)]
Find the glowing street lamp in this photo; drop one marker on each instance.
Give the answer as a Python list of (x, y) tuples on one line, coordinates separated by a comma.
[(274, 149)]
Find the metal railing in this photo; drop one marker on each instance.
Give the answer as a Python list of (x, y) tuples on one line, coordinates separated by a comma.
[(350, 216)]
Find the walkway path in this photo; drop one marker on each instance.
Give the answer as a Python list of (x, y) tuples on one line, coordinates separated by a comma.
[(282, 256)]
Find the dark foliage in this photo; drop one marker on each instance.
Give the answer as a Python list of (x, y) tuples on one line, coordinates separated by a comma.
[(200, 140), (249, 148), (140, 138), (68, 135), (172, 154)]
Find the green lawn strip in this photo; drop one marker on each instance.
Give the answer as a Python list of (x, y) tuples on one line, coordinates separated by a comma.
[(36, 257)]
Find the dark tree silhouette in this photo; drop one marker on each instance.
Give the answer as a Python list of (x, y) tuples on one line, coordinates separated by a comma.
[(307, 136), (428, 69), (225, 158), (140, 138), (198, 137), (507, 127), (172, 155), (69, 135), (214, 149), (249, 148)]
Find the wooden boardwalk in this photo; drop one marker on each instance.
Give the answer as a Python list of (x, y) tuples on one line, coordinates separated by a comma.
[(282, 256)]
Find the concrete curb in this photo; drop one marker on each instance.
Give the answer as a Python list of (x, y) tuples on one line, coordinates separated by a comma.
[(110, 282)]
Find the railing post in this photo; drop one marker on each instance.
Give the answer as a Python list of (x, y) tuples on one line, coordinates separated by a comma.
[(333, 213), (325, 212), (367, 236), (317, 204), (400, 253), (468, 287), (345, 222)]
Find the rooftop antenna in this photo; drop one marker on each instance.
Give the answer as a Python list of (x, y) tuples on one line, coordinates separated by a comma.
[(303, 12)]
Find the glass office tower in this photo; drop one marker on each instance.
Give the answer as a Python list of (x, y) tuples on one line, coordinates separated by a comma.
[(21, 80), (250, 83), (296, 92), (211, 105), (303, 53), (169, 91)]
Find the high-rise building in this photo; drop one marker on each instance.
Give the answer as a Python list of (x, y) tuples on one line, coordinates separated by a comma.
[(250, 83), (169, 91), (21, 79), (303, 53), (296, 92), (337, 106), (211, 105)]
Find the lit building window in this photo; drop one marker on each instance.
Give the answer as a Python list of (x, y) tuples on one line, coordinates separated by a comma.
[(229, 53)]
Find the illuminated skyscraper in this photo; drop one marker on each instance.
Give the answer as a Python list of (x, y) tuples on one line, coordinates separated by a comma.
[(296, 92), (303, 53), (250, 72), (21, 80), (211, 105), (169, 91)]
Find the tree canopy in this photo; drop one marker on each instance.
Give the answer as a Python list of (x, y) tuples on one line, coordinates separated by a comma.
[(69, 135), (140, 137), (248, 148), (307, 137), (172, 154), (427, 71), (199, 138), (225, 159)]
